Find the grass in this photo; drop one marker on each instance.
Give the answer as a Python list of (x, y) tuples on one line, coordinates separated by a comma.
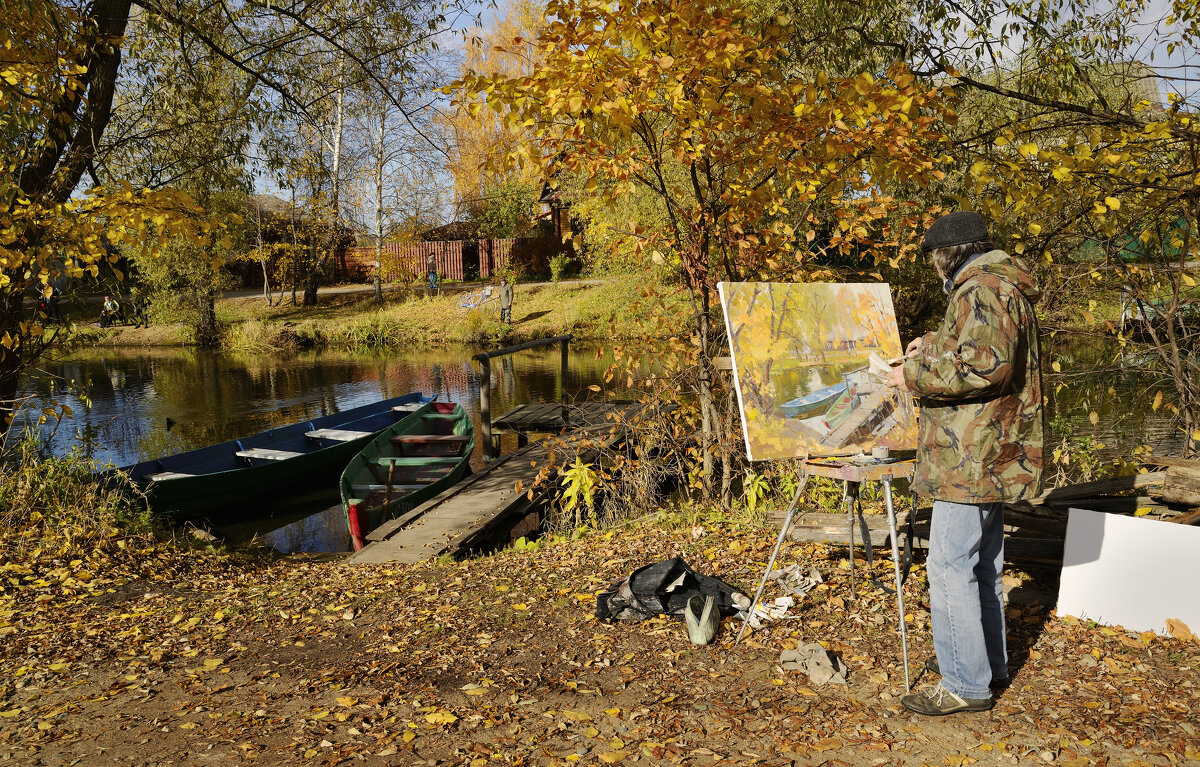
[(410, 319)]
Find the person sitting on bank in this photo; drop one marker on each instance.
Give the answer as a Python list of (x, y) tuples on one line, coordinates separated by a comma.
[(506, 299), (110, 312)]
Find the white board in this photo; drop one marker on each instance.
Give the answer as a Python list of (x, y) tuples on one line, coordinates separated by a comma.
[(1130, 572)]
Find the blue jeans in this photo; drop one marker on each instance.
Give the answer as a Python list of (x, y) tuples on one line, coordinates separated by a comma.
[(966, 596), (506, 314)]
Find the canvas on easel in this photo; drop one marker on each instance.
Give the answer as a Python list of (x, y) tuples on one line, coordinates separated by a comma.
[(809, 368)]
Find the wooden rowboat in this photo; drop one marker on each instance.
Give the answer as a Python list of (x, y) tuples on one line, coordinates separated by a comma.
[(406, 465), (219, 481), (818, 400)]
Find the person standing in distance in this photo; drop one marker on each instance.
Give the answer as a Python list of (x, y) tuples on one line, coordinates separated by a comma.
[(506, 299), (978, 382)]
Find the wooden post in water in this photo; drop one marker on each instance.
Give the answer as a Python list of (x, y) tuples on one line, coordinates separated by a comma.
[(490, 448), (485, 406), (562, 378)]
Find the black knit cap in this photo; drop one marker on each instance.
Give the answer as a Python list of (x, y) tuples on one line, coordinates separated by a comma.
[(956, 228)]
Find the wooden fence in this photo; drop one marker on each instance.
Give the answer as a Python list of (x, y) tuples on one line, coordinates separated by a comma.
[(459, 260)]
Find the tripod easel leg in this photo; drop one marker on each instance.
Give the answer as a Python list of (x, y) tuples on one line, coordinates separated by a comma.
[(787, 522), (848, 503), (891, 514)]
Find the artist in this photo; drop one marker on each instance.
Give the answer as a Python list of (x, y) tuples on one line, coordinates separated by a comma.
[(978, 382)]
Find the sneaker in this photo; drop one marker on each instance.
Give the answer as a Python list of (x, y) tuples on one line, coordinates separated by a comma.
[(703, 619), (997, 683), (939, 701)]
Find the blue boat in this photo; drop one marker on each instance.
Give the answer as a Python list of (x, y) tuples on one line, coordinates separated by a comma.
[(221, 480), (811, 403)]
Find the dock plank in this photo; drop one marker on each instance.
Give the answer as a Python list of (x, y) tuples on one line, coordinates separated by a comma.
[(432, 532), (462, 516)]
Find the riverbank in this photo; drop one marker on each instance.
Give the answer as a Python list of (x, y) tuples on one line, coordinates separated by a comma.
[(499, 660), (350, 319)]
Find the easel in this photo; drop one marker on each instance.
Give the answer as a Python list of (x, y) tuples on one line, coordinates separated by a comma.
[(853, 472)]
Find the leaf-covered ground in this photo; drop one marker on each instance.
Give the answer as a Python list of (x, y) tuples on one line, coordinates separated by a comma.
[(499, 661)]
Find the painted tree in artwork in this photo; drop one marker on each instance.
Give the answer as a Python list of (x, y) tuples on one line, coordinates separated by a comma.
[(698, 105)]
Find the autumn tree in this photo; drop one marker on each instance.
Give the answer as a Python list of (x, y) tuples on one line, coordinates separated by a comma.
[(1070, 144), (61, 66), (487, 189), (701, 107), (58, 73)]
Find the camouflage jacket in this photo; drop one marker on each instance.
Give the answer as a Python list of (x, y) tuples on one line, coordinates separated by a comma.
[(979, 384)]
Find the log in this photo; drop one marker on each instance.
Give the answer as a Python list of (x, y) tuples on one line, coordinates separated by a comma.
[(1040, 520), (1167, 461), (817, 526), (1100, 487), (1182, 486), (1039, 551), (1191, 518), (1118, 504)]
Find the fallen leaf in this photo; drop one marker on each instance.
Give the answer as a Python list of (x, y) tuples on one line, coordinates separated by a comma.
[(1179, 630)]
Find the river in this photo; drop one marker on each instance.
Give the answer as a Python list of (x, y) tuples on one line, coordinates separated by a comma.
[(134, 404)]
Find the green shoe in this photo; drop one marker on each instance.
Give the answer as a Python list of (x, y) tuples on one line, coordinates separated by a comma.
[(939, 701), (703, 619)]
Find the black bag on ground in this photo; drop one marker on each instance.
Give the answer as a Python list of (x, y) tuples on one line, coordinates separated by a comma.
[(663, 587)]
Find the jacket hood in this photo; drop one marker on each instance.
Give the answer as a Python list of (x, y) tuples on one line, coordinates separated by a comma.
[(1008, 268)]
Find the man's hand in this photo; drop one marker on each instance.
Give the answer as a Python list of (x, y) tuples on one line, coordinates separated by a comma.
[(914, 346), (896, 379)]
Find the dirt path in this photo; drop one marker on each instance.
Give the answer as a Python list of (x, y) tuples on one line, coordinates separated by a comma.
[(499, 661)]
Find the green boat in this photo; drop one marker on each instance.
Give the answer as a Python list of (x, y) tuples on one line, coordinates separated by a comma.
[(406, 465), (229, 479)]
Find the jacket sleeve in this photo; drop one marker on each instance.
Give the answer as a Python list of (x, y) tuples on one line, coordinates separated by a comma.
[(978, 360)]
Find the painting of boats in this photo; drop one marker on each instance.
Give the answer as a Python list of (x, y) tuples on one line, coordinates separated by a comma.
[(801, 360), (819, 400)]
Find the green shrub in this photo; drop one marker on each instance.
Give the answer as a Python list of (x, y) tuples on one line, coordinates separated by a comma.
[(559, 263)]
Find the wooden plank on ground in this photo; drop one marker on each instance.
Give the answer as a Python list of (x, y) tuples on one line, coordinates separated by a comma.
[(832, 527), (1100, 487)]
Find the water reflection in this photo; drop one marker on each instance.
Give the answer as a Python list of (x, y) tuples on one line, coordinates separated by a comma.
[(132, 405), (210, 397)]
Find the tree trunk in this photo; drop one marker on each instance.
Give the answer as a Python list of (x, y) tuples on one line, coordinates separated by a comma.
[(380, 161), (313, 281), (208, 335), (706, 395)]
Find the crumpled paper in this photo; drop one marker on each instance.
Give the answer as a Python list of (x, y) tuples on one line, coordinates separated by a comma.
[(815, 661), (793, 583)]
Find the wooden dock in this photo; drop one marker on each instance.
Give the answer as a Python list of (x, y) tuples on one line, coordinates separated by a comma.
[(485, 510)]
